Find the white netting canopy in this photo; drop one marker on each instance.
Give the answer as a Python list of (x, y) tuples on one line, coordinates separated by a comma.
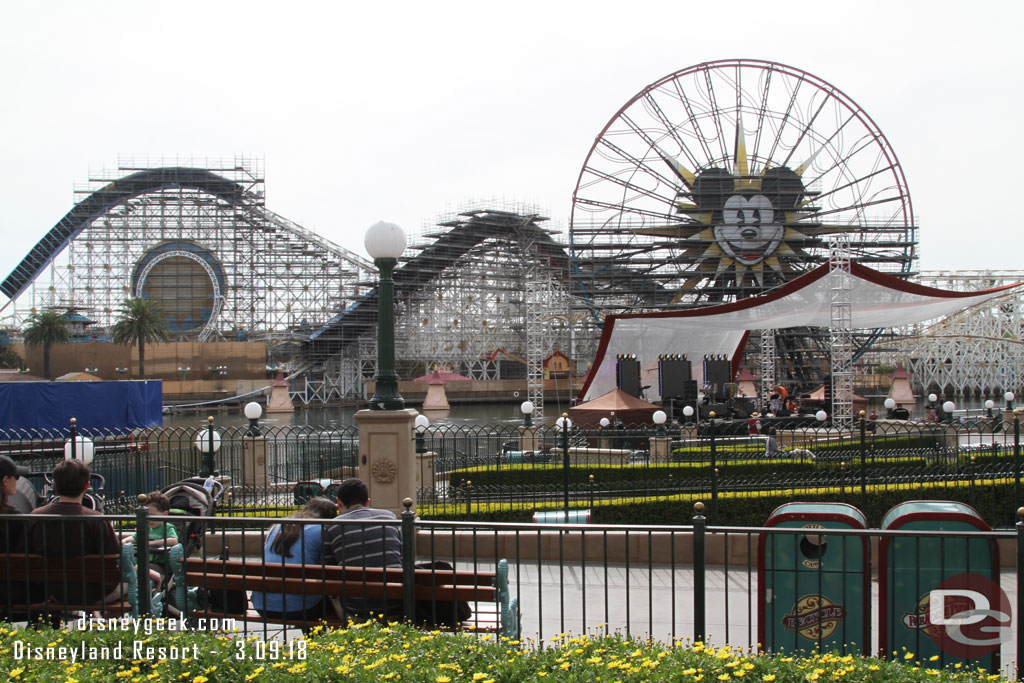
[(879, 301)]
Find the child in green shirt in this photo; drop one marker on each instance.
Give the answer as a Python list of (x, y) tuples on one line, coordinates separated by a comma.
[(161, 535)]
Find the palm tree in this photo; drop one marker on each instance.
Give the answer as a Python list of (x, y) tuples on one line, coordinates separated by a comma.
[(140, 322), (46, 329)]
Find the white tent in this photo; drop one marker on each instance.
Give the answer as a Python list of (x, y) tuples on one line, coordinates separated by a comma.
[(878, 300)]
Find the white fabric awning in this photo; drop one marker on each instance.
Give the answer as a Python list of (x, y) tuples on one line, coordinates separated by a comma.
[(879, 301)]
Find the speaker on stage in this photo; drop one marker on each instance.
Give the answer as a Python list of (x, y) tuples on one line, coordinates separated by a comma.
[(627, 374), (673, 373), (717, 374)]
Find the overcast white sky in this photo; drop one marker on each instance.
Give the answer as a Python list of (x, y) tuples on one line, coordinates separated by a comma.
[(371, 110)]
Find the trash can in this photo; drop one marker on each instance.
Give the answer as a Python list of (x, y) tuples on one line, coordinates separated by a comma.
[(939, 595), (552, 517), (814, 589)]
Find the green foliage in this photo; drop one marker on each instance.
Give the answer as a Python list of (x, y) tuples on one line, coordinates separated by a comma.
[(373, 652), (9, 359), (141, 322), (45, 329), (991, 498)]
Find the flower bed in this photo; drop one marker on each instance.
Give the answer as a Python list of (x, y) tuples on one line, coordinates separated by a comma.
[(373, 652)]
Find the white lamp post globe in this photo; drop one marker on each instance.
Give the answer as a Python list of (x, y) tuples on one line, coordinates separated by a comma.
[(203, 440), (1008, 396), (821, 416), (948, 407), (253, 410), (932, 398), (384, 240), (890, 403), (422, 422), (84, 449), (688, 411), (563, 424), (659, 417), (526, 407), (605, 422), (990, 404)]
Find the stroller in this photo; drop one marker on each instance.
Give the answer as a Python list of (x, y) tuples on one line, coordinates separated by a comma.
[(189, 498), (27, 494)]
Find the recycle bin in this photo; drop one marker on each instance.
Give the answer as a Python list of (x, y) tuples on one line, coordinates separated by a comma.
[(939, 595), (813, 588), (552, 517)]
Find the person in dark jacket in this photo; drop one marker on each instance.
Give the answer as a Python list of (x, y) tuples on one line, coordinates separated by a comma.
[(11, 531), (60, 540)]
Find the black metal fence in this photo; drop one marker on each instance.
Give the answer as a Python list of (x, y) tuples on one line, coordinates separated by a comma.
[(784, 589), (505, 472), (493, 472)]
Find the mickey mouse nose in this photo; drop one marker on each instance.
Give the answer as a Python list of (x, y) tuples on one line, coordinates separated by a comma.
[(748, 233)]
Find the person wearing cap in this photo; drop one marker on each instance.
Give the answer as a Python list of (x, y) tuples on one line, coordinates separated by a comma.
[(11, 531)]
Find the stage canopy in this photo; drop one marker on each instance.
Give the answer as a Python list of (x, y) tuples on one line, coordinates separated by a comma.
[(878, 300), (614, 404)]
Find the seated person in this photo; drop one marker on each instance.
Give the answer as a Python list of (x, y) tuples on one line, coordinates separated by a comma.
[(297, 544), (12, 531), (60, 540), (161, 537), (380, 545), (365, 545)]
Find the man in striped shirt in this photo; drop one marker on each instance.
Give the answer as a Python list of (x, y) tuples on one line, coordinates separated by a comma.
[(359, 542)]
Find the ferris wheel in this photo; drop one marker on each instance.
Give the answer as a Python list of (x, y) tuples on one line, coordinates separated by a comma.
[(729, 178)]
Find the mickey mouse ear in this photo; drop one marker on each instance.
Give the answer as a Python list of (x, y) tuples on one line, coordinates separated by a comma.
[(783, 187), (712, 187)]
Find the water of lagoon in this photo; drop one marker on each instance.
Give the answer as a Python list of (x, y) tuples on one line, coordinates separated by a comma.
[(460, 414)]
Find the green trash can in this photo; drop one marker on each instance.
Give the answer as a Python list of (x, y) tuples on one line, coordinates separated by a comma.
[(971, 618), (814, 589)]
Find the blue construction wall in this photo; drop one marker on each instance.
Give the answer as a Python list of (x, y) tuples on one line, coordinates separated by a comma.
[(98, 407)]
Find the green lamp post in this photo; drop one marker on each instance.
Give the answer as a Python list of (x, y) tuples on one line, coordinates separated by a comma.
[(385, 242)]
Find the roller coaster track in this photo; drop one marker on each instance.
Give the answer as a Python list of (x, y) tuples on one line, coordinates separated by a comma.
[(360, 318), (140, 183)]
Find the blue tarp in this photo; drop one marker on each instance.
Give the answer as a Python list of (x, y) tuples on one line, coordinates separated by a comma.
[(98, 407)]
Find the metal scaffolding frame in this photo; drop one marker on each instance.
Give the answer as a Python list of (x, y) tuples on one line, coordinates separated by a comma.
[(767, 358), (198, 239), (463, 296), (841, 331), (978, 351)]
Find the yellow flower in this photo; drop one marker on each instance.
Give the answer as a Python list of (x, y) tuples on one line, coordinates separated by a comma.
[(256, 673), (479, 676), (908, 656), (724, 677), (443, 679), (768, 677), (200, 679)]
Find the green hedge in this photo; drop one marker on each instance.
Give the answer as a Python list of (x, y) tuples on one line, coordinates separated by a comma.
[(579, 475), (994, 500)]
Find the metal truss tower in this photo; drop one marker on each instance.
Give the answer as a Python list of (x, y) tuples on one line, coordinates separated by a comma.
[(545, 310), (767, 367), (841, 331), (978, 351), (197, 238)]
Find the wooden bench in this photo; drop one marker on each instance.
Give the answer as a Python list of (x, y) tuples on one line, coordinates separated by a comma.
[(19, 570), (487, 593)]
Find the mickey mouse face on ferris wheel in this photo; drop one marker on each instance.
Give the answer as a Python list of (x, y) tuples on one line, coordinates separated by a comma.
[(748, 213)]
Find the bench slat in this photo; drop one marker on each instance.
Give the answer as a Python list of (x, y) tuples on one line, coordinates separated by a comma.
[(336, 588)]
